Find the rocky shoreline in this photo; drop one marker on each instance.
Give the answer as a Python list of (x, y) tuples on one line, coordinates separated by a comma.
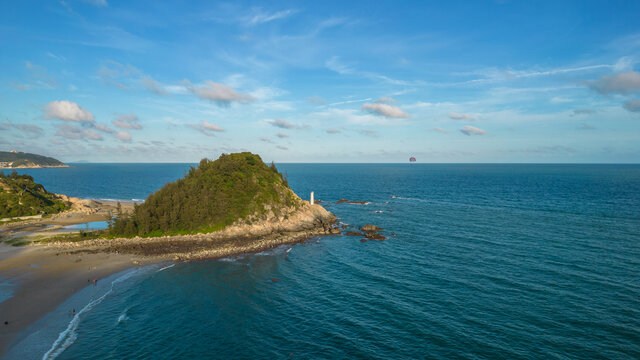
[(306, 222), (33, 167)]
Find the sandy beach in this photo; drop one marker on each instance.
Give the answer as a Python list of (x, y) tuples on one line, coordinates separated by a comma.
[(44, 275), (43, 278)]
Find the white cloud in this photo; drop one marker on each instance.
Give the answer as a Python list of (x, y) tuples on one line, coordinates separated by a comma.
[(282, 147), (282, 135), (127, 122), (559, 100), (219, 93), (210, 126), (205, 128), (624, 82), (284, 124), (470, 130), (333, 131), (457, 116), (67, 111), (97, 2), (266, 139), (385, 110), (104, 128), (632, 105), (123, 136), (261, 17), (153, 86), (385, 100), (77, 133), (334, 64), (349, 101), (440, 130)]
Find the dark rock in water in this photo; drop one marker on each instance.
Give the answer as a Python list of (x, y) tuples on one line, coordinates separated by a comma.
[(343, 200), (375, 236), (344, 227), (370, 228), (353, 233), (274, 280), (363, 240), (318, 201)]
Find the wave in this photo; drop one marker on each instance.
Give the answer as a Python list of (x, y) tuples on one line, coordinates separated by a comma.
[(121, 200), (69, 335), (166, 267), (410, 199), (123, 316)]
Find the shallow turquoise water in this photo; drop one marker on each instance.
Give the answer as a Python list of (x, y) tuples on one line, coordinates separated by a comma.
[(487, 262)]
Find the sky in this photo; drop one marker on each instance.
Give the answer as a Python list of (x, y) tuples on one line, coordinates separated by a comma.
[(326, 81)]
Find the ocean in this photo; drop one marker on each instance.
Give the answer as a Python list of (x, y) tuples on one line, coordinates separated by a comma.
[(482, 261)]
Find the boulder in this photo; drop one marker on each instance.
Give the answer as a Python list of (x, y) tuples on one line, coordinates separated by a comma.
[(374, 236), (370, 228)]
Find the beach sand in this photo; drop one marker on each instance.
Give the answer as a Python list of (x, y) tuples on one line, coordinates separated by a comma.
[(45, 275), (44, 278)]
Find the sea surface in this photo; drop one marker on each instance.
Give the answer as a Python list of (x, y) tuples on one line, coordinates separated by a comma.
[(481, 262)]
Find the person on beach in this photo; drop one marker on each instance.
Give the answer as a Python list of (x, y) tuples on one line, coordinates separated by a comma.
[(95, 282)]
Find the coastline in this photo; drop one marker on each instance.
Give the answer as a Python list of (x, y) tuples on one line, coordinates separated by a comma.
[(45, 275), (34, 167), (42, 279)]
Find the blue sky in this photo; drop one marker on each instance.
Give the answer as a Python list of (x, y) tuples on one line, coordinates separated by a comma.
[(455, 81)]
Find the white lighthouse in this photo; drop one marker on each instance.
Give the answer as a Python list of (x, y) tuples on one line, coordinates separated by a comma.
[(311, 201)]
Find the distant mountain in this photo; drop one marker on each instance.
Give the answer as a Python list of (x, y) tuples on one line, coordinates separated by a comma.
[(15, 160)]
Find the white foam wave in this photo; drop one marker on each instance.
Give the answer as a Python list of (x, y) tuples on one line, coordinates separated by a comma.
[(411, 199), (123, 316), (166, 267), (69, 335)]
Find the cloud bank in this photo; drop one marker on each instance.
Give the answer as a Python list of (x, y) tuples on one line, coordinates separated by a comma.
[(624, 82)]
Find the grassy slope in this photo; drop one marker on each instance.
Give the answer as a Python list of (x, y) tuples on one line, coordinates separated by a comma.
[(26, 159), (20, 196), (210, 197)]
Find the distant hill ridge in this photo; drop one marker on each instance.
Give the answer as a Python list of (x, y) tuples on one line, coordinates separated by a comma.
[(15, 160)]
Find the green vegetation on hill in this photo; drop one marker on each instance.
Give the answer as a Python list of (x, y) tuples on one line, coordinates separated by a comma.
[(210, 197), (20, 159), (20, 196)]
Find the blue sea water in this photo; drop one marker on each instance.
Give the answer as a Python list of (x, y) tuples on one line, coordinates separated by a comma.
[(482, 262)]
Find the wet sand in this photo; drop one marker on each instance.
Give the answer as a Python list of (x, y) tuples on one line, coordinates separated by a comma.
[(45, 275), (44, 278)]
